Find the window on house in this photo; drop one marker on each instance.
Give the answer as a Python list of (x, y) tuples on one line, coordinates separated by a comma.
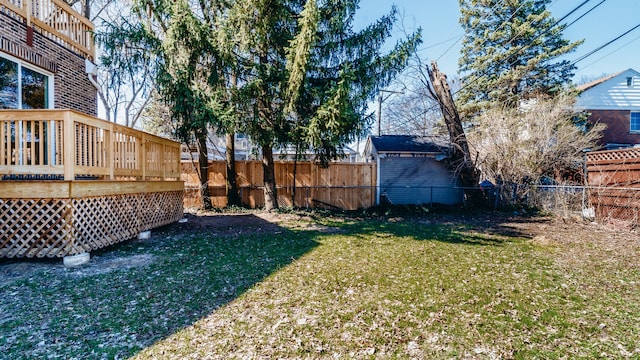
[(8, 84), (22, 87), (634, 125)]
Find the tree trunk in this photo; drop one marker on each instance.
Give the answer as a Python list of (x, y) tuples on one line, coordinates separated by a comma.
[(233, 199), (460, 157), (203, 162), (269, 179)]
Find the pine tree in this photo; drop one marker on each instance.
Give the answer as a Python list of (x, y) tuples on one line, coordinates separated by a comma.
[(309, 76), (511, 51), (188, 66)]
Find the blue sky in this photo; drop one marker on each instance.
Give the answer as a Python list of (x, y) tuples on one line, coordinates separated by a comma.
[(440, 29)]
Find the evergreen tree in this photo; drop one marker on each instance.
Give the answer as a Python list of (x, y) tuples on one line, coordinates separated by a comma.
[(188, 67), (189, 81), (510, 51), (309, 76)]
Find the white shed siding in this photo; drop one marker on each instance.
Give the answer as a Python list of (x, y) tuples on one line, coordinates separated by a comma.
[(613, 94), (417, 180)]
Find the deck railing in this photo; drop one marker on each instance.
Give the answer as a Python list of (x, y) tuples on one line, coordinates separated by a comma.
[(55, 20), (64, 144)]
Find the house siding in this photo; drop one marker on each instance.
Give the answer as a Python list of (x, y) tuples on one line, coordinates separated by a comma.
[(617, 130), (613, 94), (417, 180), (72, 89)]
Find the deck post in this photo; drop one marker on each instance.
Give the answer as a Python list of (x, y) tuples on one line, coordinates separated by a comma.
[(27, 9), (69, 147)]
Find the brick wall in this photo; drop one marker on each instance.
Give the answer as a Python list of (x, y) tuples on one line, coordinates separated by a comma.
[(72, 89), (617, 131)]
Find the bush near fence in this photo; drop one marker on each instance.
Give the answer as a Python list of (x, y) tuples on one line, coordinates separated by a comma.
[(347, 186)]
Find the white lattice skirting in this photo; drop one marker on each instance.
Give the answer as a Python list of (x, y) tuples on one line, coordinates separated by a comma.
[(62, 227)]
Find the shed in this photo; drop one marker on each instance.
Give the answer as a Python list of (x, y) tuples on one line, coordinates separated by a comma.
[(412, 170)]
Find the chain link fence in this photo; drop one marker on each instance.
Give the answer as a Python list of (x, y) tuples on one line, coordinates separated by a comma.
[(618, 205)]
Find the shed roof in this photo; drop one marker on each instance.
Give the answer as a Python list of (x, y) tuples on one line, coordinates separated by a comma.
[(406, 143)]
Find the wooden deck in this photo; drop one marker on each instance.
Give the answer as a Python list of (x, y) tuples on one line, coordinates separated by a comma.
[(71, 183), (55, 20)]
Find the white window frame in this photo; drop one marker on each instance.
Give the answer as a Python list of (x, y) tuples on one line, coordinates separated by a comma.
[(50, 97), (50, 79), (631, 130)]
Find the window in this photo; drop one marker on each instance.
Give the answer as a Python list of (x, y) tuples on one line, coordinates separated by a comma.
[(634, 125), (22, 87), (629, 81)]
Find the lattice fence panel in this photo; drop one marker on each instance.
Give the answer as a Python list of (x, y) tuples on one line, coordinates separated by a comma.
[(35, 228), (162, 208), (612, 155), (107, 220), (61, 227)]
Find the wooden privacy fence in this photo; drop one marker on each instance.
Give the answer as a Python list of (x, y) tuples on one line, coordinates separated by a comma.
[(614, 185), (347, 186), (56, 20)]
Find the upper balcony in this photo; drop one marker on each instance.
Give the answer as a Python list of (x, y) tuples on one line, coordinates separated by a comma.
[(55, 20)]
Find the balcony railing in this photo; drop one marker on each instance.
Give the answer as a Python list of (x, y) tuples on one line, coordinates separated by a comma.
[(64, 144), (55, 20)]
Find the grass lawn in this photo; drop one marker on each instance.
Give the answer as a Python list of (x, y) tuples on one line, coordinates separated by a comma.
[(299, 286)]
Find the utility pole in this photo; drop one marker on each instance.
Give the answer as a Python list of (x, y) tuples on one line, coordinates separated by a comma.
[(380, 100)]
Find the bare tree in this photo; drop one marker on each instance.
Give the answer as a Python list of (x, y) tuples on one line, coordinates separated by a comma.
[(124, 87), (539, 139)]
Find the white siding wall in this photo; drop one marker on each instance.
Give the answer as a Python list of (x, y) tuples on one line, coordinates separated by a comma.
[(613, 94)]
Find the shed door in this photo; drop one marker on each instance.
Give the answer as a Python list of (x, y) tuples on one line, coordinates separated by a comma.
[(419, 180)]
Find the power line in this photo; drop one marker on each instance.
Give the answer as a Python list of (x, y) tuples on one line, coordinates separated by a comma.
[(571, 12), (617, 49), (441, 42), (583, 15), (493, 8), (603, 46), (478, 77)]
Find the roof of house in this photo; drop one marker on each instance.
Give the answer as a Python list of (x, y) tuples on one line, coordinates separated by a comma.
[(597, 82), (406, 143)]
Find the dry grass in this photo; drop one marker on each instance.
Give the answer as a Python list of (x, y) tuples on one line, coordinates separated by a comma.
[(308, 287)]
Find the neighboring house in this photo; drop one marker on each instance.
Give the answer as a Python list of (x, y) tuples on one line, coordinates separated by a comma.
[(45, 69), (289, 154), (412, 170), (615, 102), (245, 149)]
